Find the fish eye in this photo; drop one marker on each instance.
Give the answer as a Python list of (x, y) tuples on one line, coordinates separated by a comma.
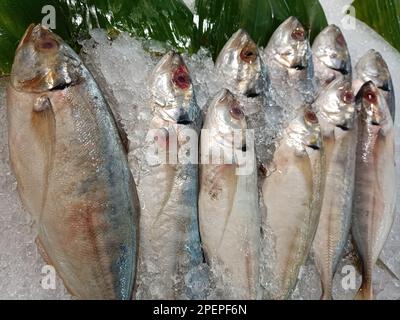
[(298, 34), (310, 116), (347, 96), (181, 77), (248, 54), (47, 44), (236, 112), (340, 40), (370, 96)]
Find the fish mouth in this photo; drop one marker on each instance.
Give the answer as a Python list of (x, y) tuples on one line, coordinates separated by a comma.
[(299, 67), (375, 123), (252, 94), (184, 121), (314, 147), (343, 127)]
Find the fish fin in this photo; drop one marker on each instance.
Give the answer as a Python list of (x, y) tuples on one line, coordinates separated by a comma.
[(385, 267), (365, 292)]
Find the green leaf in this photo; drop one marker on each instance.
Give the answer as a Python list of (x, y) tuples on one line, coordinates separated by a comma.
[(169, 21), (382, 16), (219, 19)]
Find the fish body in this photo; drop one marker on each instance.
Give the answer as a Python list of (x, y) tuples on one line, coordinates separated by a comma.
[(170, 245), (336, 112), (293, 194), (288, 58), (372, 67), (331, 57), (375, 185), (71, 168), (228, 201)]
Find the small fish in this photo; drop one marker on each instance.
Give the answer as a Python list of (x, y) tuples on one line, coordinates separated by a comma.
[(72, 169), (289, 63), (336, 113), (228, 200), (169, 236), (293, 194), (375, 181), (331, 57), (372, 67)]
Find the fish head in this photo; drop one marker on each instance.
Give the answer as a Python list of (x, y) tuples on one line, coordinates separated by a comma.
[(289, 45), (172, 90), (372, 105), (43, 62), (226, 120), (304, 132), (331, 49), (336, 104), (240, 64), (372, 67)]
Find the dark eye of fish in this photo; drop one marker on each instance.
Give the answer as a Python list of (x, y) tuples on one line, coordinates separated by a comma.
[(340, 40), (299, 34), (47, 44), (370, 97), (248, 54), (310, 116), (181, 78), (347, 96), (236, 112)]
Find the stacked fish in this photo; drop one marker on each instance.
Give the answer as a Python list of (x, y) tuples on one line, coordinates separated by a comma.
[(249, 202)]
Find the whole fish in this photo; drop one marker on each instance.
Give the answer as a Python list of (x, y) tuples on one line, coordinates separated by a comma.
[(228, 200), (288, 58), (375, 181), (168, 188), (372, 67), (72, 169), (336, 113), (293, 194), (331, 57)]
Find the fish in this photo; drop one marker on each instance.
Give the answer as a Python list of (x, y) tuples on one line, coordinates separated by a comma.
[(375, 182), (373, 67), (331, 57), (288, 59), (293, 192), (228, 200), (170, 247), (336, 113), (71, 168)]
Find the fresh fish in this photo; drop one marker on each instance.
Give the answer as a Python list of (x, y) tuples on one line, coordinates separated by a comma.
[(168, 189), (289, 63), (228, 201), (372, 67), (293, 194), (331, 57), (72, 169), (375, 182), (336, 114)]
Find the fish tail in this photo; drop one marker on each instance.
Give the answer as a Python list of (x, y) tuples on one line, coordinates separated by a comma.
[(365, 292), (326, 290)]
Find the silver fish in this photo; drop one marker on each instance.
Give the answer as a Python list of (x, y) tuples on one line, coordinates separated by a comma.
[(375, 181), (169, 237), (293, 194), (331, 57), (336, 114), (372, 67), (290, 67), (228, 200), (71, 168)]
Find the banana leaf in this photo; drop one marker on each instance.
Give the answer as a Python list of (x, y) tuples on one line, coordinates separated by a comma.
[(168, 21), (383, 16)]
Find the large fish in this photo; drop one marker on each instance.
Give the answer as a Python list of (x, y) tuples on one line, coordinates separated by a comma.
[(372, 67), (289, 63), (168, 187), (71, 168), (336, 114), (331, 57), (375, 181), (228, 200), (293, 194)]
